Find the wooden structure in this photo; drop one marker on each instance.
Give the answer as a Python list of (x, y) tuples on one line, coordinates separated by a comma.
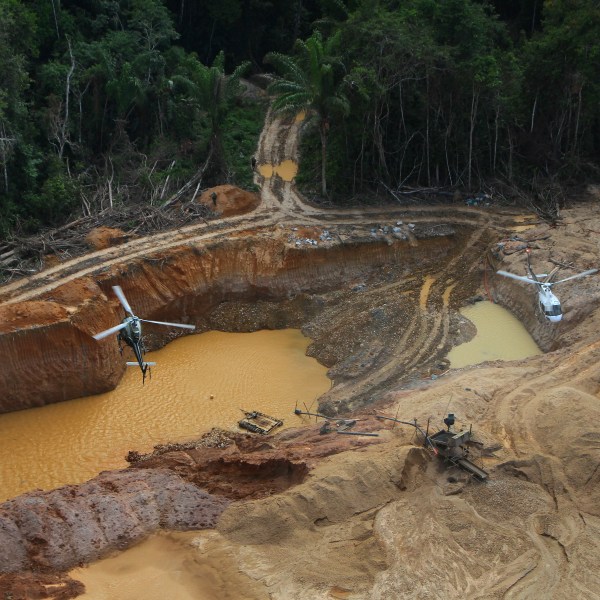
[(258, 422)]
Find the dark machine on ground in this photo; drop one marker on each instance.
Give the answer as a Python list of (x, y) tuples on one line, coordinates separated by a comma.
[(129, 331), (549, 303), (451, 446)]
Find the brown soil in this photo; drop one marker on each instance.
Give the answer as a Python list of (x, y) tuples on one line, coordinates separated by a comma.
[(229, 200), (105, 237), (333, 516), (30, 586)]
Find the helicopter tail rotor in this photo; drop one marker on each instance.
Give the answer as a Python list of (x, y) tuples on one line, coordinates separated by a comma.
[(136, 364)]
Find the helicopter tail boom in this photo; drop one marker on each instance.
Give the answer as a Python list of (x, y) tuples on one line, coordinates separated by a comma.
[(137, 364)]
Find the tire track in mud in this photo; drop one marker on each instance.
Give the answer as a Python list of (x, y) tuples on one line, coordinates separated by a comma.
[(424, 334), (100, 260), (529, 414), (264, 218), (427, 332), (280, 202), (441, 289)]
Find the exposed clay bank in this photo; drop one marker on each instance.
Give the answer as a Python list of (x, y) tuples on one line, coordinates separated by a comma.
[(261, 281)]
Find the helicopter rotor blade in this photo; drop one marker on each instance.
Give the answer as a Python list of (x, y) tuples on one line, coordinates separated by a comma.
[(107, 332), (170, 324), (517, 277), (531, 272), (121, 296), (584, 274)]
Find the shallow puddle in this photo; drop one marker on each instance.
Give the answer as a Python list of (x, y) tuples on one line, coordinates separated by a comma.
[(524, 226), (500, 336), (424, 295), (182, 566), (266, 170), (519, 228), (287, 170), (199, 382)]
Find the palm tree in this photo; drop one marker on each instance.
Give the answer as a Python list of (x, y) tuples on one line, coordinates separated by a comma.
[(216, 90), (212, 90), (313, 80)]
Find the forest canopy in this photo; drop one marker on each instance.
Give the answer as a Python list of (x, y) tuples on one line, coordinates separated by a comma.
[(105, 103)]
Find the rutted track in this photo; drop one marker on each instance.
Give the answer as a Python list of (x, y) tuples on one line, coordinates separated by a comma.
[(280, 203)]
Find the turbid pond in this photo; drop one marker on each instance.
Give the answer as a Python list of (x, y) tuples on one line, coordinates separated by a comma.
[(500, 336), (199, 382)]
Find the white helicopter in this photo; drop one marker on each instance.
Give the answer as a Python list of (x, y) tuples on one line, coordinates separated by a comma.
[(549, 303), (130, 332)]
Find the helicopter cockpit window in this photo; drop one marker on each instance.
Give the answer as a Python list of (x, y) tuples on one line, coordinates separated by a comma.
[(553, 311)]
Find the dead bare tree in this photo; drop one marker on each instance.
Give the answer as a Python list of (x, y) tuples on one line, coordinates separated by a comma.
[(59, 117), (6, 144)]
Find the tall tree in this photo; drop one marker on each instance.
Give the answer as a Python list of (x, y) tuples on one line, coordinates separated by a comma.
[(312, 80), (563, 83), (18, 44), (211, 90)]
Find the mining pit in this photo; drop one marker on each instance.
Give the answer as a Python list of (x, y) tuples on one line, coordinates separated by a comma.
[(306, 515)]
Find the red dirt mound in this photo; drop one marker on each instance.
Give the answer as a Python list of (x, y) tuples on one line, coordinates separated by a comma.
[(105, 237), (229, 200)]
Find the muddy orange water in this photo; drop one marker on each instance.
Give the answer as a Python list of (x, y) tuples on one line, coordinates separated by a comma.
[(287, 170), (500, 336), (199, 382)]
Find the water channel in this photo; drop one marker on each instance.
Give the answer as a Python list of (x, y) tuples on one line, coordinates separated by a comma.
[(199, 382)]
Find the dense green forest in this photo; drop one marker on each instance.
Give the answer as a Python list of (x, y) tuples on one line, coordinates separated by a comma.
[(106, 103)]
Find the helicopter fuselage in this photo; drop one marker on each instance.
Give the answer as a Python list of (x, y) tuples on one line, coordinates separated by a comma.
[(549, 303), (131, 334)]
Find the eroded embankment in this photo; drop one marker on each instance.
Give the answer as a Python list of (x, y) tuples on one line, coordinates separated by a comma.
[(235, 284), (179, 487)]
